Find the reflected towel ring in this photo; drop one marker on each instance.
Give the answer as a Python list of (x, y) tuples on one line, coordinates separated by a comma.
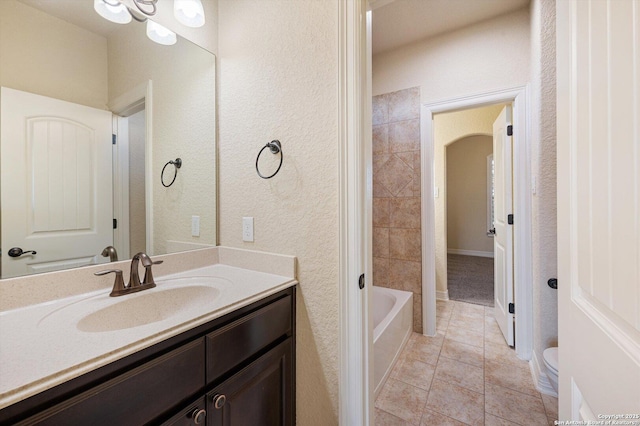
[(275, 147), (177, 163)]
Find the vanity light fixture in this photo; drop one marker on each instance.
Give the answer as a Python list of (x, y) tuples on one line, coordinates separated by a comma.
[(118, 12), (160, 34), (112, 10), (189, 12)]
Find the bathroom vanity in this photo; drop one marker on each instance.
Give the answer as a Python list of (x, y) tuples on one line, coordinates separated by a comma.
[(227, 362)]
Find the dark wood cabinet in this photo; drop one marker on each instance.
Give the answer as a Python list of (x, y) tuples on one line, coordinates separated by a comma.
[(236, 370), (258, 395)]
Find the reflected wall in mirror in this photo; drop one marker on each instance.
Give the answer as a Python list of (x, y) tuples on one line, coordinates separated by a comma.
[(69, 80)]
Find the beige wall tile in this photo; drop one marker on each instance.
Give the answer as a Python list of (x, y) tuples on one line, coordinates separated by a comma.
[(380, 142), (381, 242), (392, 173), (404, 244), (381, 271), (405, 275), (404, 136), (404, 104), (381, 212), (416, 173), (417, 312), (404, 213), (380, 110)]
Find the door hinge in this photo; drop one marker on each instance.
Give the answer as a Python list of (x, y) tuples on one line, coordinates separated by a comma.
[(361, 282), (113, 139), (510, 219), (115, 223), (509, 130), (512, 308)]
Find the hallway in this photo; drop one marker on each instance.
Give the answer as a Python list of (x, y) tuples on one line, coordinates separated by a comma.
[(464, 375)]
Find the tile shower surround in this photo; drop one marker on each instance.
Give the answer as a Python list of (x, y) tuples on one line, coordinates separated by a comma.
[(397, 249)]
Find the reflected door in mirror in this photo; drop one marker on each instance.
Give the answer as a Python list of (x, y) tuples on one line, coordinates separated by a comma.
[(56, 183)]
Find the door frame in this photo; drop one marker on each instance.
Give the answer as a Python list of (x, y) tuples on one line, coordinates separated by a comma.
[(522, 256), (355, 388), (125, 105)]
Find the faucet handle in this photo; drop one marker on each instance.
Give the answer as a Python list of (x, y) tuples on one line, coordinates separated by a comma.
[(148, 274), (118, 285)]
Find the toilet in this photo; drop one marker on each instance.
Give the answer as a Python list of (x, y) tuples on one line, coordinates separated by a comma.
[(550, 356)]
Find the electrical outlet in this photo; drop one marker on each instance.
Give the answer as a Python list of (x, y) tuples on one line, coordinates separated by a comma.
[(247, 229), (195, 226)]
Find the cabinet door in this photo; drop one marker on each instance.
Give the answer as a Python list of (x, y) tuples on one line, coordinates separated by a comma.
[(259, 395)]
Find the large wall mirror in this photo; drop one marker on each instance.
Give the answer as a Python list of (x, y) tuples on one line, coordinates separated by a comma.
[(70, 80)]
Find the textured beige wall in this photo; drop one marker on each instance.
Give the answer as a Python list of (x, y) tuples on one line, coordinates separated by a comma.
[(490, 55), (543, 167), (47, 56), (448, 128), (467, 194), (183, 125), (397, 251), (278, 71)]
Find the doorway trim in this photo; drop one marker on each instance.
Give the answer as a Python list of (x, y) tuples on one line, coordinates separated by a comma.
[(355, 406), (522, 256), (125, 105)]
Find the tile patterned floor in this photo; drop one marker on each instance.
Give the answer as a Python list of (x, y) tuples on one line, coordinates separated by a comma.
[(466, 375)]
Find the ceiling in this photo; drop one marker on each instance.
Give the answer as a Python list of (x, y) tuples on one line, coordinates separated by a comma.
[(399, 22), (77, 12)]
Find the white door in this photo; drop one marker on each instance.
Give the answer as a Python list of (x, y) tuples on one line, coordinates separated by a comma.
[(503, 238), (598, 171), (55, 183)]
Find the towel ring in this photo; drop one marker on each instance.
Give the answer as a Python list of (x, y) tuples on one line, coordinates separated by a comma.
[(275, 147), (177, 163)]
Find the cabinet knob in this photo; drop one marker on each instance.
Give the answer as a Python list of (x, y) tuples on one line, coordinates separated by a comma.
[(219, 401), (198, 415)]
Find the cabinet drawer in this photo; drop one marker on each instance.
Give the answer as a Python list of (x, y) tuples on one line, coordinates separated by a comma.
[(236, 342), (135, 397)]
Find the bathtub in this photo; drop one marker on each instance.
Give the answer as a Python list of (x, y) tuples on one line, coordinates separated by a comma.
[(392, 325)]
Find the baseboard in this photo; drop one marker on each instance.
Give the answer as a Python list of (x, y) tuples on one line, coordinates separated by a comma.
[(442, 295), (470, 252), (540, 377)]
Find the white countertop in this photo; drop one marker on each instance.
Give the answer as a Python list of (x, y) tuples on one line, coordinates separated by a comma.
[(43, 345)]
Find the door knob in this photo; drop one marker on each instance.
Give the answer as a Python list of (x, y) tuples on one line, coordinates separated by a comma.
[(17, 252)]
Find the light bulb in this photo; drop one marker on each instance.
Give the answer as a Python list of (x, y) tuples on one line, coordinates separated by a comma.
[(112, 10), (189, 12), (160, 34)]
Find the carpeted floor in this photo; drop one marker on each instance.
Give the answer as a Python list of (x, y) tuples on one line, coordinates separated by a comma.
[(470, 279)]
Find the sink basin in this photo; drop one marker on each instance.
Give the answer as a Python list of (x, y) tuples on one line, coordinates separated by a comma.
[(147, 307)]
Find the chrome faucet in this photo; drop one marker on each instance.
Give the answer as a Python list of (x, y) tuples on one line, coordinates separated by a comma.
[(111, 252), (119, 287)]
